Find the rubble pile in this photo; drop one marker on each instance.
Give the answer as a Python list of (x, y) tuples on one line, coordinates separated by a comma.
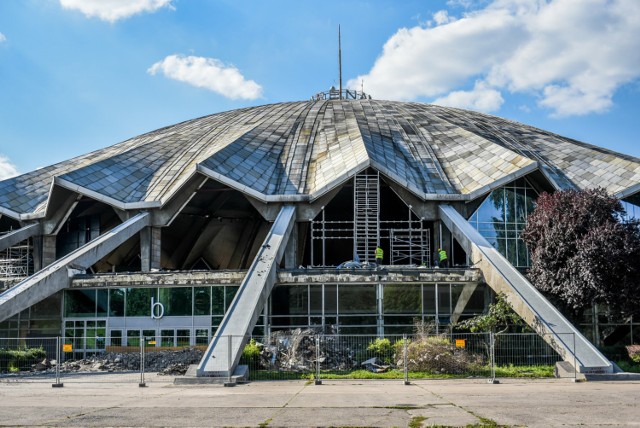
[(163, 362), (295, 350)]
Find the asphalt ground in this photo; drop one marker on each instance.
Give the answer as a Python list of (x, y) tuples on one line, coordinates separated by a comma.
[(470, 402)]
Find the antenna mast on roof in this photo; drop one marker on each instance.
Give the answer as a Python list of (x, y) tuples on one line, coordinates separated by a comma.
[(340, 60)]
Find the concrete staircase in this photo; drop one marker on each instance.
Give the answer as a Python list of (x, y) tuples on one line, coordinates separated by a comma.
[(224, 351), (525, 299)]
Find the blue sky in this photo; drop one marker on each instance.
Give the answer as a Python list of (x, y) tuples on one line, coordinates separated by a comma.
[(79, 75)]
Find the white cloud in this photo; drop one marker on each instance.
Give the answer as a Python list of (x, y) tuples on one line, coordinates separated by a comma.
[(208, 73), (113, 10), (2, 38), (481, 98), (442, 17), (7, 169), (571, 55)]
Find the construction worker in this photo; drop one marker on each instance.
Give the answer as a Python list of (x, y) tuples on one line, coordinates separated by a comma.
[(444, 262), (379, 256)]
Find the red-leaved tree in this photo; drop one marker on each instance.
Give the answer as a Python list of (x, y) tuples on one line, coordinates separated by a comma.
[(582, 252)]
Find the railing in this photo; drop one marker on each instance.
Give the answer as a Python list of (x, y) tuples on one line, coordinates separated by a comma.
[(297, 354)]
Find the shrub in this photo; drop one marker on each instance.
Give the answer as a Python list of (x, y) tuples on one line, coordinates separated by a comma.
[(382, 349), (436, 354), (251, 354), (20, 359)]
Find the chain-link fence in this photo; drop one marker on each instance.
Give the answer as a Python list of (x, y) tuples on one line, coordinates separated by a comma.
[(297, 354)]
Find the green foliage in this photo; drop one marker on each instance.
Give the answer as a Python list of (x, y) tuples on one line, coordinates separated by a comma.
[(251, 354), (382, 349), (14, 360), (416, 421), (629, 367), (499, 318)]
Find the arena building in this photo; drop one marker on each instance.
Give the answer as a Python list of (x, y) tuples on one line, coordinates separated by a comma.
[(268, 218)]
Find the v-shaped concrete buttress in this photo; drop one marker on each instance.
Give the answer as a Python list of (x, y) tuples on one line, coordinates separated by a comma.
[(525, 299), (56, 276), (225, 349), (16, 236)]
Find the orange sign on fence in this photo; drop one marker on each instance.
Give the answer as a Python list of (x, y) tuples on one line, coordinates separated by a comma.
[(67, 347), (461, 343)]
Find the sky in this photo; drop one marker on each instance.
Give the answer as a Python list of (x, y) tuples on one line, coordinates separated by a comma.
[(80, 75)]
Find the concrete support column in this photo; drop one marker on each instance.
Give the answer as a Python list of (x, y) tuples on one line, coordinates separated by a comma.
[(37, 253), (150, 240), (291, 251), (48, 250)]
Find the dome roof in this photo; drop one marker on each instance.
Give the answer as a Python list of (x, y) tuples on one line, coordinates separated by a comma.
[(298, 151)]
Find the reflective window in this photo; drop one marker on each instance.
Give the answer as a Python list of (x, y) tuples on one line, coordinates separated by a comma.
[(202, 301), (139, 301), (357, 299), (502, 217), (631, 211), (116, 302), (402, 299), (176, 301), (80, 303)]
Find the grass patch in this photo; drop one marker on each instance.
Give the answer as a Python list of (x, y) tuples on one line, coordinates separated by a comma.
[(524, 371), (501, 371), (416, 421), (628, 366)]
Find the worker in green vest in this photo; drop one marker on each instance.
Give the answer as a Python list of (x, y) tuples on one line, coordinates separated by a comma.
[(379, 256), (444, 262)]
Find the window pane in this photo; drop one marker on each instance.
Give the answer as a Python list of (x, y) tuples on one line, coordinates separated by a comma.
[(402, 299), (80, 303), (202, 336), (103, 303), (230, 293), (176, 301), (217, 300), (429, 299), (202, 304), (116, 302), (315, 299), (183, 337), (139, 301), (330, 299), (356, 299), (444, 299), (116, 337)]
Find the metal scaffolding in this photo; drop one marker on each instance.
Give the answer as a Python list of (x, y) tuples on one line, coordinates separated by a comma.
[(16, 261), (366, 216), (409, 240)]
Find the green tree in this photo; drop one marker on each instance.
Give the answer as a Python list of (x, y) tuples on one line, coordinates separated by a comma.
[(499, 318)]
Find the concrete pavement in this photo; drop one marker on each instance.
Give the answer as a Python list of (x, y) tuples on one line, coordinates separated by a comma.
[(534, 403)]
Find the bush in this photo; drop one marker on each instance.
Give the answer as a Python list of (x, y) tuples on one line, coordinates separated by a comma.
[(251, 354), (20, 359), (382, 349), (437, 355)]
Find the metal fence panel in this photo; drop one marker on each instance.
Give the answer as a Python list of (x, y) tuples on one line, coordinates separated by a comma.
[(288, 355), (28, 359)]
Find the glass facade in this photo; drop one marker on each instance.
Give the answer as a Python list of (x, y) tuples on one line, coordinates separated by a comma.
[(502, 216), (368, 308), (95, 319), (632, 211)]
